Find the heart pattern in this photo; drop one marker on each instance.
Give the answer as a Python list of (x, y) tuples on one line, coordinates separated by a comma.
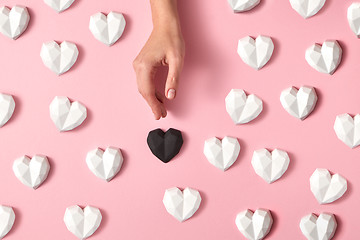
[(347, 129), (307, 8), (254, 225), (107, 29), (7, 107), (243, 5), (318, 228), (353, 16), (14, 22), (181, 204), (7, 219), (31, 172), (59, 5)]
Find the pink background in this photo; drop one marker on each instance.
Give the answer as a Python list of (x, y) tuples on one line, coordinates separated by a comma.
[(103, 80)]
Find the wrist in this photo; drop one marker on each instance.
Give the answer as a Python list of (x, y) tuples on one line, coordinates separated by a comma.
[(164, 15)]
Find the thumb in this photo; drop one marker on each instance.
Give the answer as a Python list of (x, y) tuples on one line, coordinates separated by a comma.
[(172, 81)]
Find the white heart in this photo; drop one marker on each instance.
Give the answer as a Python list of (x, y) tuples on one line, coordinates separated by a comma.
[(31, 172), (13, 22), (7, 219), (347, 129), (59, 58), (181, 205), (105, 165), (222, 154), (325, 58), (353, 16), (7, 107), (107, 29), (242, 108), (327, 188), (270, 166), (66, 115), (299, 103), (307, 8), (59, 5), (255, 53), (82, 223), (318, 228), (254, 226), (243, 5)]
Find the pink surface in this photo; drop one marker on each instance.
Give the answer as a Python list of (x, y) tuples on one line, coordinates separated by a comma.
[(103, 80)]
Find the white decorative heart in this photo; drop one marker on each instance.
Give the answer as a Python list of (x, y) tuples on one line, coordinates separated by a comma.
[(107, 29), (325, 58), (7, 219), (13, 22), (31, 172), (243, 5), (307, 8), (222, 154), (254, 226), (327, 188), (66, 115), (255, 53), (318, 228), (270, 166), (105, 165), (82, 223), (59, 58), (181, 205), (347, 129), (242, 108), (353, 16), (7, 107), (59, 5), (299, 103)]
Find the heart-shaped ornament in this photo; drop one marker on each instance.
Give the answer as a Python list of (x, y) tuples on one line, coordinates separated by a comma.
[(243, 5), (7, 107), (325, 58), (347, 129), (59, 58), (31, 172), (307, 8), (107, 29), (242, 108), (66, 115), (299, 103), (165, 145), (181, 204), (254, 225), (318, 228), (7, 219), (105, 165), (353, 16), (222, 153), (59, 5), (255, 52), (82, 222), (13, 22), (270, 166), (327, 188)]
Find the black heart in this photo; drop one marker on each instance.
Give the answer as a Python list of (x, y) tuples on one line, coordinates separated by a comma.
[(166, 145)]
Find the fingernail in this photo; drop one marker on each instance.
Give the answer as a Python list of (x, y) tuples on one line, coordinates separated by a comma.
[(171, 94)]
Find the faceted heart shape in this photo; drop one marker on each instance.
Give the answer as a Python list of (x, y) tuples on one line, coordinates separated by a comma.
[(327, 188), (254, 226), (59, 58), (59, 5), (307, 8), (255, 53), (181, 205), (299, 103), (165, 146), (318, 228), (243, 5), (347, 129), (66, 115), (325, 58), (353, 16), (270, 166), (82, 223), (222, 154), (31, 172), (105, 165), (7, 219), (242, 108), (14, 22), (107, 29), (7, 107)]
